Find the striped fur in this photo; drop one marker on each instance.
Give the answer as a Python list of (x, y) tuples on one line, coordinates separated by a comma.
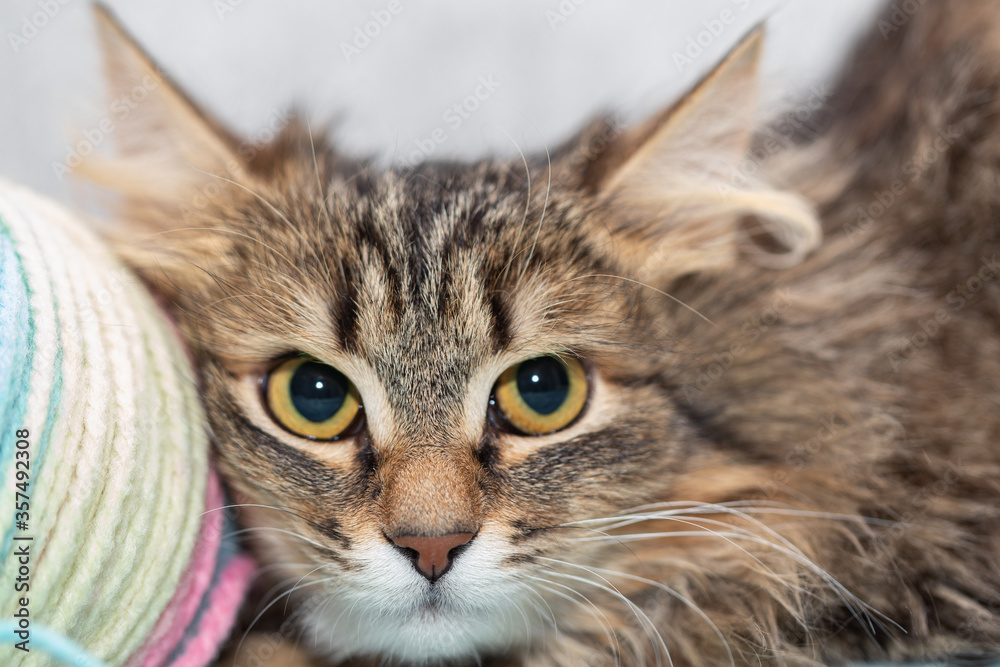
[(789, 455)]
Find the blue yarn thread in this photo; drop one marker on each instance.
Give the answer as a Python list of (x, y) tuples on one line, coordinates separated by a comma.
[(55, 645)]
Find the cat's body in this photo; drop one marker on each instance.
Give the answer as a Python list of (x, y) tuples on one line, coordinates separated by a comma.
[(774, 465)]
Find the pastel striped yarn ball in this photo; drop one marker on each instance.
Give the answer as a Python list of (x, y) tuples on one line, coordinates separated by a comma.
[(130, 563)]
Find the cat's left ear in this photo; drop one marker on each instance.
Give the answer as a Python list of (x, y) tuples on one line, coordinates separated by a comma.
[(167, 147), (174, 168), (672, 192)]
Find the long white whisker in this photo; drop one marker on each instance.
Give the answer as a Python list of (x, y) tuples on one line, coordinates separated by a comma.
[(862, 612), (752, 507), (276, 508), (527, 204), (282, 531), (319, 181), (541, 218), (608, 587), (793, 551), (682, 598), (272, 603), (284, 582), (642, 284), (590, 608), (547, 614), (222, 230)]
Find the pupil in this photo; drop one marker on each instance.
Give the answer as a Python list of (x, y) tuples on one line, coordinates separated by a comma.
[(543, 384), (318, 391)]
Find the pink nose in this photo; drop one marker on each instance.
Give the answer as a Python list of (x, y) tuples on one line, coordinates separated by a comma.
[(433, 554)]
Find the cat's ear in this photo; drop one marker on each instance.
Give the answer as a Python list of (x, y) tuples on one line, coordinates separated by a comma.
[(167, 148), (173, 169), (671, 190)]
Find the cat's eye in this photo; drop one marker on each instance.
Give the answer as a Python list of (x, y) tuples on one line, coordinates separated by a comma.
[(312, 399), (542, 395)]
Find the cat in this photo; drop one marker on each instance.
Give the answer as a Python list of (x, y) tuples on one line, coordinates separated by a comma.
[(694, 392)]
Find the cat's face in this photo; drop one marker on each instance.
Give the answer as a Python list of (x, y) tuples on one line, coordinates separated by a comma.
[(424, 384), (422, 298)]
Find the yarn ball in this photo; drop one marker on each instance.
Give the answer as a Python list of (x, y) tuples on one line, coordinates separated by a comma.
[(111, 513)]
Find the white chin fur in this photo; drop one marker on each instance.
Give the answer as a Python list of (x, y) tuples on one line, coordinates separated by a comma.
[(383, 611)]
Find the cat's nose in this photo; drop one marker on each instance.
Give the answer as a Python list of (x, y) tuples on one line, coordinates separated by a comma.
[(432, 556)]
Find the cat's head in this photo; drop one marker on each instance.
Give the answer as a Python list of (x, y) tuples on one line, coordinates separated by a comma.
[(423, 383)]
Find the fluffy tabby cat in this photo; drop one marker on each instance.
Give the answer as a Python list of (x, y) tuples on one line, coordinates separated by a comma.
[(691, 393)]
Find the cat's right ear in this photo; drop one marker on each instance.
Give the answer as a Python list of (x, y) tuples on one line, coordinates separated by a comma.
[(666, 193), (167, 148)]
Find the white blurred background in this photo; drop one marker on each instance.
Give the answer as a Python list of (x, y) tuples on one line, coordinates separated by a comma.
[(552, 63)]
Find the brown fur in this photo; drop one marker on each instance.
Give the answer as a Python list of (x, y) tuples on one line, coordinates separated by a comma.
[(823, 438)]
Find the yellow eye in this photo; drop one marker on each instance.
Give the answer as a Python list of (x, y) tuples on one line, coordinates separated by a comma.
[(542, 395), (312, 399)]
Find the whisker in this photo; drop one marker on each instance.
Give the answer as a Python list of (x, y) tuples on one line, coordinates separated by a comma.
[(759, 507), (282, 531), (527, 204), (683, 599), (276, 508), (333, 629), (549, 617), (589, 607), (642, 284), (541, 218), (263, 200), (862, 612), (224, 230), (790, 549), (737, 532), (319, 181), (524, 617), (608, 587), (272, 603), (278, 586)]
